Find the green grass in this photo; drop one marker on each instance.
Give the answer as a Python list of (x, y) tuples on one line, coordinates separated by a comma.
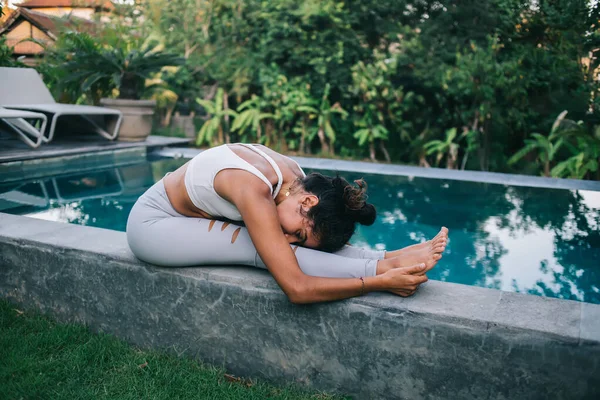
[(41, 359)]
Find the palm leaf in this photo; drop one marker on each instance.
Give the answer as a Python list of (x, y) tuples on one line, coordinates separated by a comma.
[(208, 105), (522, 152)]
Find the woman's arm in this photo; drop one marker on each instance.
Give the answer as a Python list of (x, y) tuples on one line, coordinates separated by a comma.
[(253, 199)]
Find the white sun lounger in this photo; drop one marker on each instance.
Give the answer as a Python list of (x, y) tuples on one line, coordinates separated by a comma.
[(23, 89), (26, 131)]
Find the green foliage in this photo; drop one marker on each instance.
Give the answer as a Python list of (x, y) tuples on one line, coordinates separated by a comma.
[(381, 103), (443, 148), (213, 128), (91, 68), (405, 74), (324, 114), (583, 148), (250, 115), (6, 54)]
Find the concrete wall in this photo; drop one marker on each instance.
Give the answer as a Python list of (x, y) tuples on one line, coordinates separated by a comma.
[(447, 342)]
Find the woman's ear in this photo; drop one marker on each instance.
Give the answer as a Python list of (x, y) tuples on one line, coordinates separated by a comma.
[(308, 201)]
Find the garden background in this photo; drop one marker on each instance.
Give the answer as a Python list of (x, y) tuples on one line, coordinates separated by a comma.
[(494, 85)]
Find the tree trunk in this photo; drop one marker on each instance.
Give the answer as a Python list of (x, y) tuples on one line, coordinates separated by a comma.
[(372, 151), (226, 107), (168, 116), (464, 161), (211, 92), (302, 137), (269, 133), (321, 135), (384, 151), (481, 148), (283, 144), (547, 168), (220, 135)]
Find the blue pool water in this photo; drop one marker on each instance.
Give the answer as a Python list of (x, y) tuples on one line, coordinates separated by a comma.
[(532, 240)]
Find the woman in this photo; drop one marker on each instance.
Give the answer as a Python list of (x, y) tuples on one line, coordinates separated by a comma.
[(174, 224)]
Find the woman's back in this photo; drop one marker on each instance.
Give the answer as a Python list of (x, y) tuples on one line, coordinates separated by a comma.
[(199, 188)]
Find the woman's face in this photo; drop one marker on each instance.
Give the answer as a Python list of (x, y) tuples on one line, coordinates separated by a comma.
[(295, 224)]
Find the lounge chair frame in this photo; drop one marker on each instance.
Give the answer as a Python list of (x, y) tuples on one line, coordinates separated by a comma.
[(15, 120), (23, 89)]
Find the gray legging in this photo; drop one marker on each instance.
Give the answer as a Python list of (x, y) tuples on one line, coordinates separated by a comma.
[(160, 235)]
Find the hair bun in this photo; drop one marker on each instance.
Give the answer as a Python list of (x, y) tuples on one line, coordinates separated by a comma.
[(355, 202), (365, 216)]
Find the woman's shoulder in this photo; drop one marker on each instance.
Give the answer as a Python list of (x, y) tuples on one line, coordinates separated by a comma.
[(286, 160)]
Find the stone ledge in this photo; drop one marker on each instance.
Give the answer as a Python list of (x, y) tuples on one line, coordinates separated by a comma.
[(420, 172), (448, 341)]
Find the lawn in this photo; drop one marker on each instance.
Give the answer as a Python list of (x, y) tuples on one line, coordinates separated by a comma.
[(40, 358)]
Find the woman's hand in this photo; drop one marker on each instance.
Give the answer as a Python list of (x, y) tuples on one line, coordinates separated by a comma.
[(405, 281)]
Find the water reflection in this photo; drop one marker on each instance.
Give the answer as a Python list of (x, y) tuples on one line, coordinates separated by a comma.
[(100, 198), (531, 240)]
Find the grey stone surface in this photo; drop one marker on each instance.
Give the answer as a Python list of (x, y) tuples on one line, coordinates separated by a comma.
[(447, 342), (539, 315), (407, 170), (590, 322)]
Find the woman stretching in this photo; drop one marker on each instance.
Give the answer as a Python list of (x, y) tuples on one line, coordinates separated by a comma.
[(175, 224)]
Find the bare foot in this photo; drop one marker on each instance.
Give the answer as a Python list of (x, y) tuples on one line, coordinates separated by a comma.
[(428, 253), (441, 237)]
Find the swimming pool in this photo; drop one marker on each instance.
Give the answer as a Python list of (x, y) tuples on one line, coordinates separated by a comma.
[(531, 240)]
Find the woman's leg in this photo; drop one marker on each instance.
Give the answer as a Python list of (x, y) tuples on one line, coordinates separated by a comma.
[(159, 235), (360, 252)]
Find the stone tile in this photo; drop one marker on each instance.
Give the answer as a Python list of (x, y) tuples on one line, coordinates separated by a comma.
[(469, 305), (201, 272), (590, 322), (538, 314), (246, 276), (18, 227)]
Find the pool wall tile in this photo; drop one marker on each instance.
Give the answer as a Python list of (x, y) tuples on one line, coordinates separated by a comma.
[(448, 341)]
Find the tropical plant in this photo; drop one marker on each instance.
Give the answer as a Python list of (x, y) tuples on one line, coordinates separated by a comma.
[(487, 68), (88, 67), (293, 122), (584, 148), (6, 54), (369, 134), (544, 147), (213, 131), (579, 165), (381, 103), (250, 114), (447, 148), (324, 111), (166, 99)]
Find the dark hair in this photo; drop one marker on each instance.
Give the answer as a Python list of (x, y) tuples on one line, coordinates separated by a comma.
[(341, 205)]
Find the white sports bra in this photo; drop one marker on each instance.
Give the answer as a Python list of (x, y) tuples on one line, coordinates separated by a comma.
[(201, 172)]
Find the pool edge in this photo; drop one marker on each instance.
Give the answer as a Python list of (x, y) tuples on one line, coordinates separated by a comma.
[(89, 275)]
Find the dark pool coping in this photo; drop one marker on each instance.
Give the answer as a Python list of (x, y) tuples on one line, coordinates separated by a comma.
[(81, 157), (421, 172), (447, 341), (83, 146)]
